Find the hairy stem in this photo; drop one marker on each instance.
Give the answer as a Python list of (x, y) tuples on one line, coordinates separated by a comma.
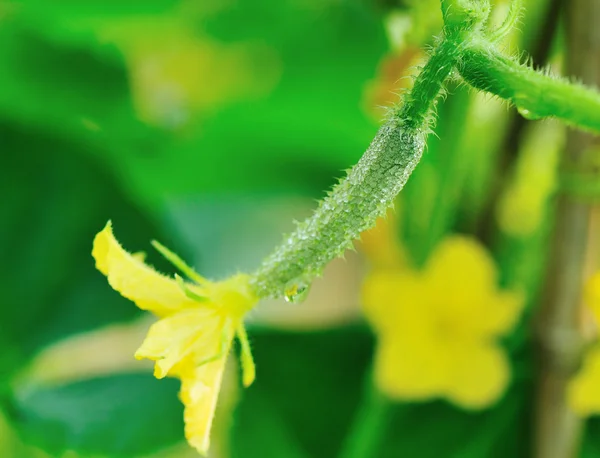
[(463, 17), (535, 94), (509, 22)]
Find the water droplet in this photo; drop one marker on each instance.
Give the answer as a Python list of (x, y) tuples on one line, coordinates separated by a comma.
[(528, 114), (296, 292)]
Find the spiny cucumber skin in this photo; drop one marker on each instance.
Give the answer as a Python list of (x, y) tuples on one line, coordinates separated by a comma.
[(350, 208)]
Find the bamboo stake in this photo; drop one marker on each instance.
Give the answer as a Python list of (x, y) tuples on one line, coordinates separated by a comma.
[(560, 338)]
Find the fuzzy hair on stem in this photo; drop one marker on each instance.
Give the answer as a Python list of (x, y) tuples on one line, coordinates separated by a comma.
[(536, 94)]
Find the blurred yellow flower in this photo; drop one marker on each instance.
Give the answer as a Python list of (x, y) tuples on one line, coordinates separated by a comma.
[(583, 393), (198, 321), (177, 72), (438, 328)]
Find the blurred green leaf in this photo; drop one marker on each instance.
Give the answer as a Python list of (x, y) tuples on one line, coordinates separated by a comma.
[(314, 112), (79, 90), (95, 8), (431, 198), (296, 137), (261, 431), (56, 199), (309, 384), (590, 447), (120, 416), (437, 428)]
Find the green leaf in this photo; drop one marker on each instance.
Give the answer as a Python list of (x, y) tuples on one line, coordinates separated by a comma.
[(294, 136), (437, 428), (95, 8), (119, 416), (80, 90), (308, 384), (261, 431), (315, 109), (298, 134), (432, 195), (59, 199), (590, 447)]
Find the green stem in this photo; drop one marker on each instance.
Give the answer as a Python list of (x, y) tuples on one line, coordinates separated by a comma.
[(463, 17), (509, 22), (370, 425), (535, 94), (416, 111)]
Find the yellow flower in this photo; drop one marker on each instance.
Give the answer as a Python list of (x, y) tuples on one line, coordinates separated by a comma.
[(177, 72), (197, 323), (583, 393), (438, 328)]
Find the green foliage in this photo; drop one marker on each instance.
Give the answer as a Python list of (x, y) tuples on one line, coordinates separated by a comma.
[(111, 415), (535, 95), (59, 198), (371, 186), (75, 154), (293, 386), (502, 430), (77, 151)]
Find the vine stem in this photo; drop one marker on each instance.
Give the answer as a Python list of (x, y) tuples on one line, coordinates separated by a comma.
[(560, 341), (370, 424), (535, 94)]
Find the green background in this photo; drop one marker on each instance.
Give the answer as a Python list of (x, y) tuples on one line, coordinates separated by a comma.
[(216, 169)]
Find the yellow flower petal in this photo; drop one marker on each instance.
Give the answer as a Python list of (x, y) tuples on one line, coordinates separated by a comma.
[(500, 313), (583, 392), (463, 270), (409, 368), (195, 333), (232, 295), (199, 393), (135, 280), (479, 374), (592, 295), (389, 298), (462, 277), (437, 327)]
